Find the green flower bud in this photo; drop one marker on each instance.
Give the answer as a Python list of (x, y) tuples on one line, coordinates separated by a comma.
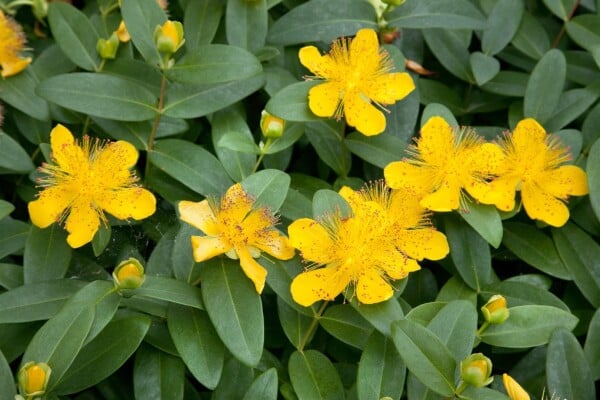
[(107, 48), (169, 37), (476, 369), (33, 379), (40, 9), (129, 274), (495, 311), (393, 2), (271, 126)]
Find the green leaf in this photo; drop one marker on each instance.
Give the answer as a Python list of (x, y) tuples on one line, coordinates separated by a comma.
[(157, 375), (545, 86), (14, 338), (325, 138), (425, 356), (381, 371), (470, 253), (439, 110), (314, 377), (507, 83), (234, 308), (11, 276), (47, 254), (75, 35), (101, 239), (571, 105), (37, 301), (485, 220), (171, 290), (192, 101), (521, 293), (562, 9), (291, 102), (322, 20), (327, 202), (591, 347), (593, 176), (535, 248), (424, 313), (238, 142), (13, 157), (200, 22), (435, 92), (269, 187), (295, 324), (236, 380), (101, 95), (181, 260), (105, 354), (141, 18), (191, 165), (482, 393), (451, 49), (528, 326), (455, 324), (584, 30), (198, 343), (484, 67), (380, 315), (59, 340), (450, 14), (264, 386), (346, 324), (246, 23), (502, 25), (580, 253), (531, 37), (379, 150), (568, 374), (20, 92), (215, 63), (7, 381), (14, 235)]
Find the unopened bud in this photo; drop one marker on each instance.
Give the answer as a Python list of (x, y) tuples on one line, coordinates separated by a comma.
[(393, 2), (476, 370), (495, 310), (107, 48), (129, 274), (514, 390), (169, 37), (271, 126), (40, 9), (123, 33), (33, 379)]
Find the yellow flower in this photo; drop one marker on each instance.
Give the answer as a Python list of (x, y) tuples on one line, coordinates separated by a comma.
[(514, 390), (238, 229), (33, 378), (12, 43), (85, 180), (445, 163), (382, 241), (534, 164), (123, 33), (357, 72)]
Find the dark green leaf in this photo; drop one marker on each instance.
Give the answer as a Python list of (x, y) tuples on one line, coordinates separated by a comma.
[(451, 14), (200, 22), (379, 150), (571, 105), (545, 86), (13, 157), (451, 49), (381, 371), (484, 67), (455, 325), (592, 345), (502, 24), (531, 37), (234, 308), (47, 254), (171, 290), (521, 293), (380, 315), (182, 255), (314, 377), (347, 325), (325, 138), (593, 175), (269, 187), (264, 386), (291, 102), (507, 83), (327, 202), (141, 18), (7, 381), (246, 23), (157, 375), (20, 92), (485, 220), (296, 325), (11, 276), (562, 9)]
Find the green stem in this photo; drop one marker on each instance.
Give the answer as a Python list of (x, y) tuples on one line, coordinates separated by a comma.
[(344, 151), (159, 111), (461, 387), (483, 327), (10, 6), (263, 152), (558, 37), (313, 326)]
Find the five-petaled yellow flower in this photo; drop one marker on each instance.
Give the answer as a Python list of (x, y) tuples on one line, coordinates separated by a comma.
[(237, 228), (12, 43), (444, 163), (86, 179), (382, 241), (534, 164), (357, 74)]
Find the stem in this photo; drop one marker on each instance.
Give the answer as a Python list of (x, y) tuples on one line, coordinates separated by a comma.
[(483, 327), (263, 152), (563, 29), (313, 326), (461, 387), (159, 110), (16, 3), (344, 150)]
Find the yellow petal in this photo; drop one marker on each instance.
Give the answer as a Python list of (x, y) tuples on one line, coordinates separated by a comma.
[(312, 59), (445, 198), (500, 192), (541, 205), (437, 141), (488, 158), (388, 88), (312, 240), (514, 390), (408, 177), (253, 270), (318, 284), (564, 181), (235, 205), (111, 164), (67, 154), (423, 243), (364, 51), (405, 208), (50, 205), (207, 247), (123, 33), (199, 215), (362, 115), (133, 202), (14, 66), (396, 264), (371, 288), (528, 132), (82, 223), (324, 99), (275, 244)]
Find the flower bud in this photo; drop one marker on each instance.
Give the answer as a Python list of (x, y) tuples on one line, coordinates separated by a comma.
[(107, 48), (271, 126), (514, 390), (40, 9), (129, 274), (476, 370), (393, 2), (169, 37), (123, 33), (33, 378), (495, 311)]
